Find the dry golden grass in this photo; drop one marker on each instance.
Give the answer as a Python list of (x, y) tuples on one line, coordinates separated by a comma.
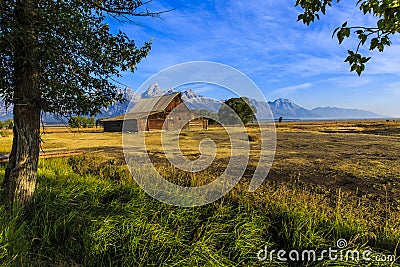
[(329, 180), (358, 156), (63, 138)]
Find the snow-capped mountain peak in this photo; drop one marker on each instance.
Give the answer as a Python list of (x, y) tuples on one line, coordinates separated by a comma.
[(190, 94), (153, 90)]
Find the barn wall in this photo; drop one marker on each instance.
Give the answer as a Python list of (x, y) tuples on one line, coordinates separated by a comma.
[(142, 125), (181, 114), (116, 126), (176, 121), (198, 123), (131, 126), (155, 124), (173, 105), (112, 126)]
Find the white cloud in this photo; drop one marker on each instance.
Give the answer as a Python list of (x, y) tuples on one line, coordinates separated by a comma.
[(387, 62), (264, 41), (394, 89), (351, 81), (285, 91)]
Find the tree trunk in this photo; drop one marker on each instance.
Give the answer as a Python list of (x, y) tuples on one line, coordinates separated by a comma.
[(20, 175)]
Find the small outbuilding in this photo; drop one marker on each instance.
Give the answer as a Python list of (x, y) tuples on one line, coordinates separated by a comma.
[(167, 112)]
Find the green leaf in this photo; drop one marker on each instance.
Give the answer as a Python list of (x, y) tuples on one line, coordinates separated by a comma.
[(365, 59), (340, 36), (374, 43), (385, 12), (359, 70)]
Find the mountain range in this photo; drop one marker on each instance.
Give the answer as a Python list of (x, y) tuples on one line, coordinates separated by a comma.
[(280, 107), (284, 108), (287, 109)]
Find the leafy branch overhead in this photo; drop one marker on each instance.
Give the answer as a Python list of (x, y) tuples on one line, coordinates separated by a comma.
[(387, 14), (79, 58), (63, 58)]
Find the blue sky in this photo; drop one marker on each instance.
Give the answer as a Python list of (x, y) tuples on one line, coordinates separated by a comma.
[(263, 40)]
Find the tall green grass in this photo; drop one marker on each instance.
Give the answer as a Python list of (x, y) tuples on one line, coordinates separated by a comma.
[(98, 216)]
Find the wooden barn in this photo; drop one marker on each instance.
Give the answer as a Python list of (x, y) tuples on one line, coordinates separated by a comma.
[(152, 113)]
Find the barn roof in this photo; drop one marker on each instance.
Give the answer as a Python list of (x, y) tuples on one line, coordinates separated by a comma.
[(146, 106), (153, 104)]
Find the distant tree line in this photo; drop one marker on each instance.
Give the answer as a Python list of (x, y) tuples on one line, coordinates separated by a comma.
[(7, 124), (235, 110), (81, 122)]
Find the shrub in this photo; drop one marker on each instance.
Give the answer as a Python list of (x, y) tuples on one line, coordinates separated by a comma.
[(254, 137), (81, 122), (4, 133), (8, 124), (235, 110)]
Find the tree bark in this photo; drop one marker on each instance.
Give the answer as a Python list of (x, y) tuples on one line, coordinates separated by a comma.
[(20, 175)]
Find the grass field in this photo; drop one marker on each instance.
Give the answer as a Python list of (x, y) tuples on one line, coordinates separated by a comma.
[(329, 180)]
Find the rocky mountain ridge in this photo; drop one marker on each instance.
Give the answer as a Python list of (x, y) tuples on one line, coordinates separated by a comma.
[(280, 107)]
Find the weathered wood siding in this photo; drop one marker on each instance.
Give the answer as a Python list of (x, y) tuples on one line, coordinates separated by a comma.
[(176, 107), (116, 126), (198, 123), (172, 118), (131, 126), (155, 123), (113, 126), (142, 125)]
